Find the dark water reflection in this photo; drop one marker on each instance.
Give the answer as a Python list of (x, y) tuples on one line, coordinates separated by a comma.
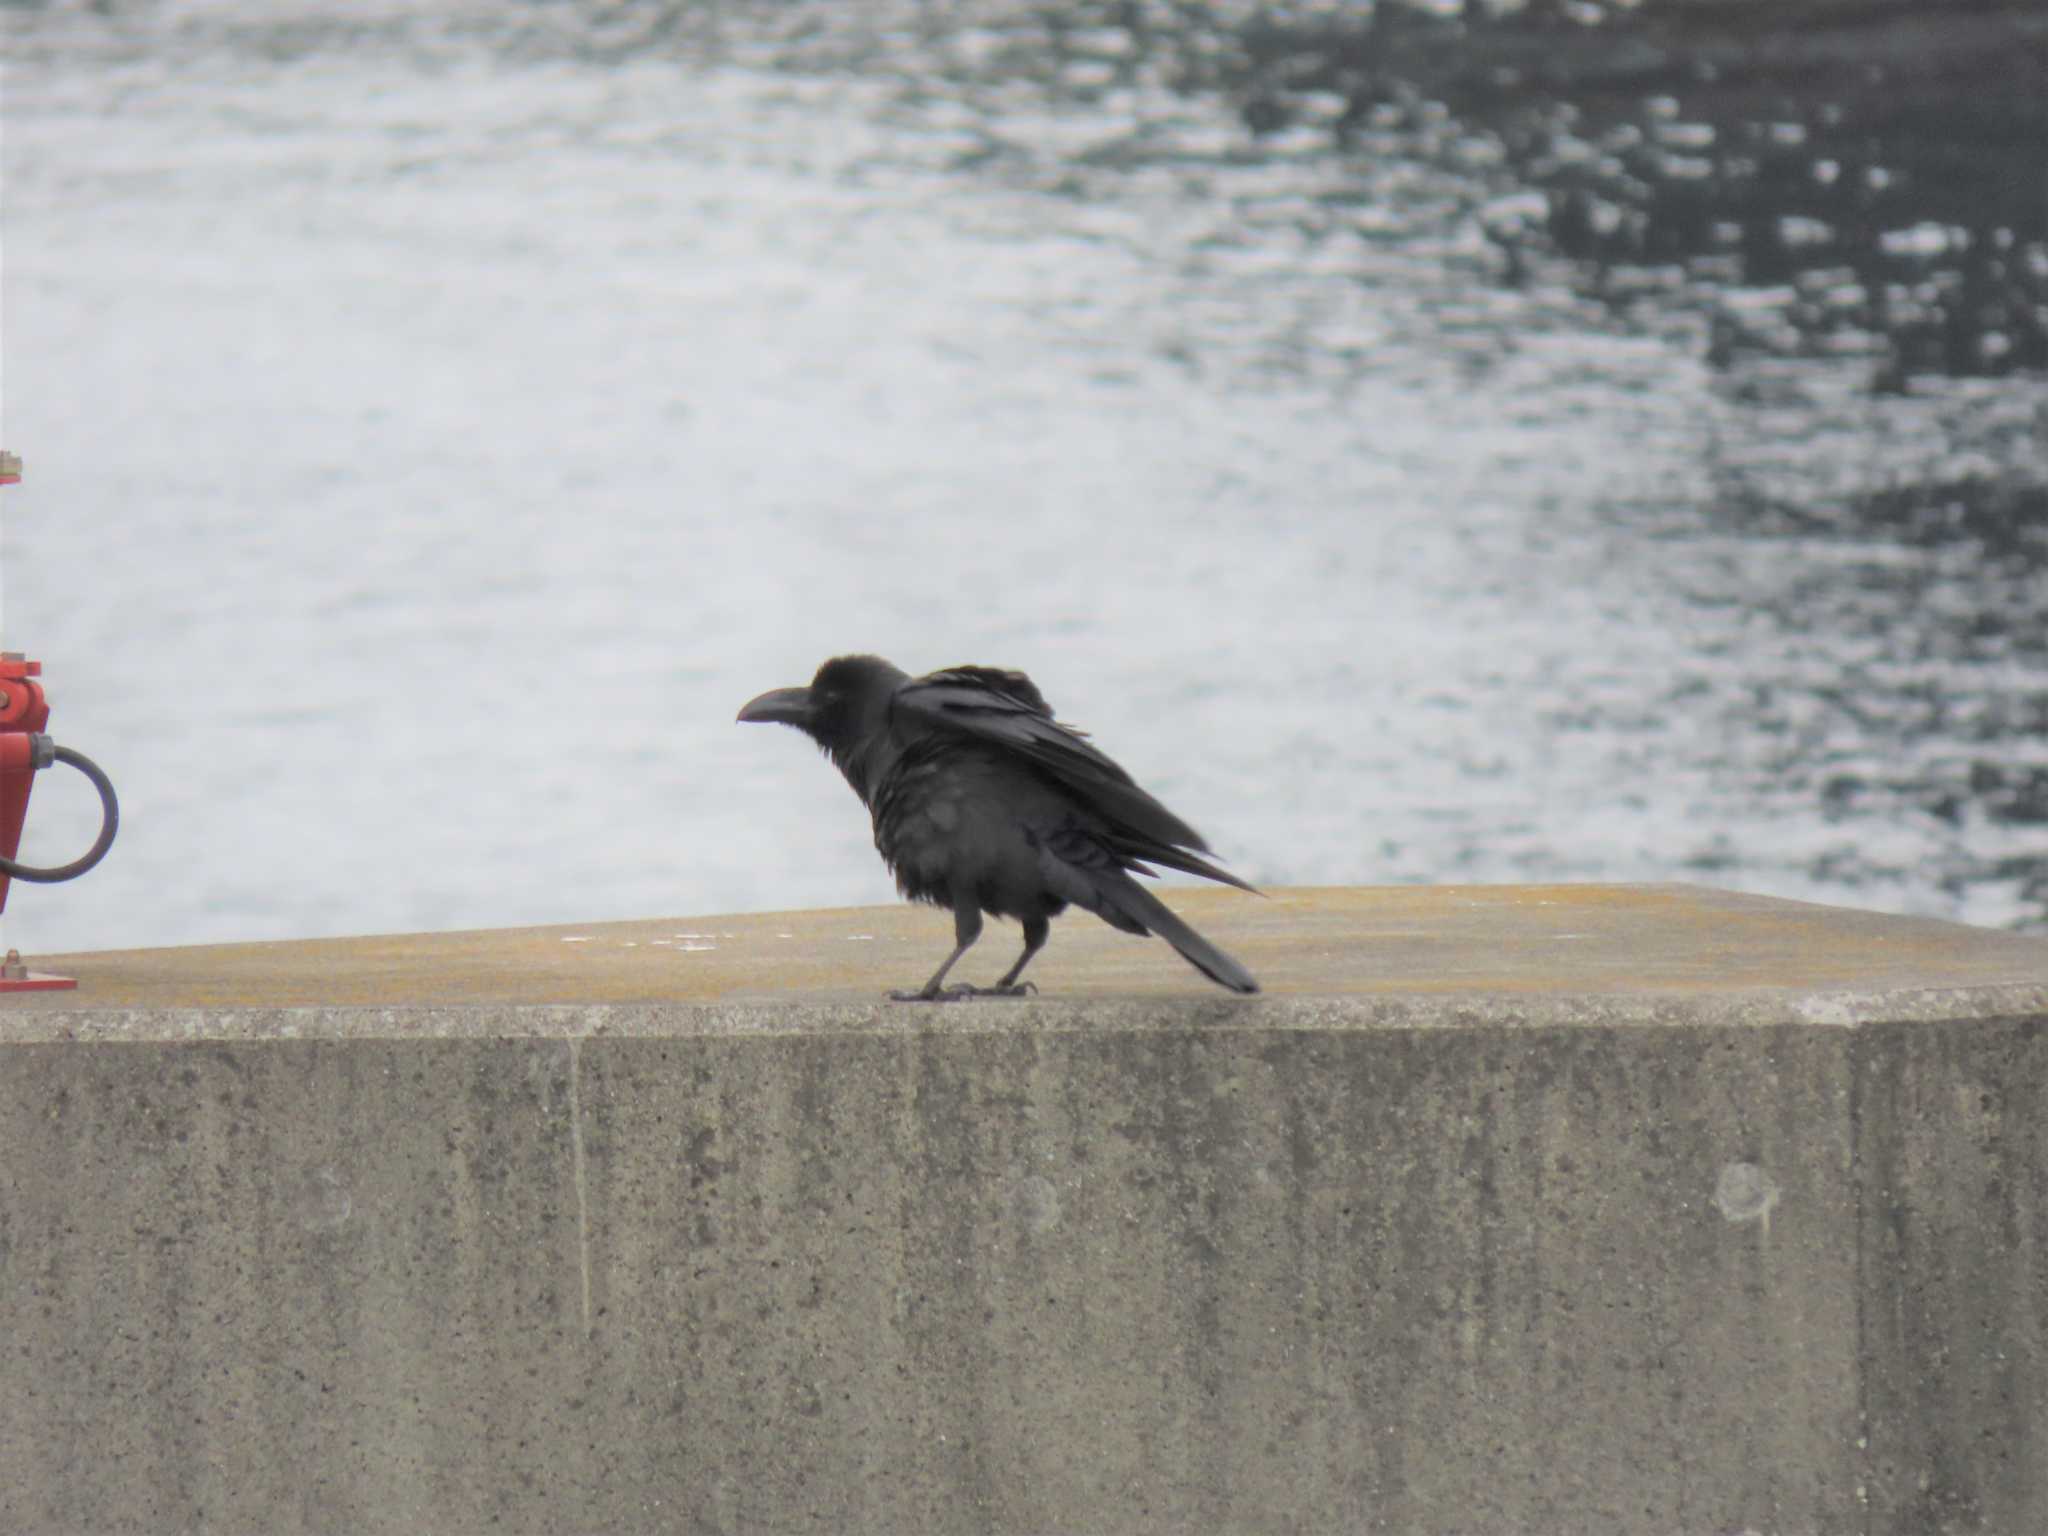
[(1883, 161), (1879, 163)]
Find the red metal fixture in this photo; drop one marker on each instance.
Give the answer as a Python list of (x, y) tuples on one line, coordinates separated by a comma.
[(24, 711), (24, 749)]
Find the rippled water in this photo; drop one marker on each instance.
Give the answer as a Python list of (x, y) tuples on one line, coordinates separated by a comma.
[(1419, 452)]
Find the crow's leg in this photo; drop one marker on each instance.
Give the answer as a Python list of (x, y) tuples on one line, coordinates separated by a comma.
[(966, 929), (1036, 930)]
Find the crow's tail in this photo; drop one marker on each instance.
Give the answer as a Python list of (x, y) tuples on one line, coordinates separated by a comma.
[(1149, 914)]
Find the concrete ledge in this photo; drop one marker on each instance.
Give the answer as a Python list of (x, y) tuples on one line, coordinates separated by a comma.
[(1545, 950), (1479, 1251)]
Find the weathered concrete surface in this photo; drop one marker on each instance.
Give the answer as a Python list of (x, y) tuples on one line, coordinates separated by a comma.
[(1481, 1252), (1400, 943)]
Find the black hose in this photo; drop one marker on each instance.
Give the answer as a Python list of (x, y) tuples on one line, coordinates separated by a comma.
[(110, 823)]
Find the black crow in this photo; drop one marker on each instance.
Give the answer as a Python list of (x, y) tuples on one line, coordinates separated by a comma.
[(982, 802)]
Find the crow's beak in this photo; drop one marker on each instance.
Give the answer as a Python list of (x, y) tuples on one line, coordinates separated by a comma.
[(786, 706)]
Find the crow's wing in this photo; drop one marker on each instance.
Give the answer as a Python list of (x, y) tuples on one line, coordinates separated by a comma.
[(1005, 709)]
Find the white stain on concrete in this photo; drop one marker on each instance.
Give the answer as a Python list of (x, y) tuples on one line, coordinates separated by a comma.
[(1745, 1193), (543, 1062), (582, 1191), (1037, 1203), (1839, 1009), (324, 1201)]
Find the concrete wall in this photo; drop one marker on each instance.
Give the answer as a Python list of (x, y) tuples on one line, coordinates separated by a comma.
[(1277, 1267)]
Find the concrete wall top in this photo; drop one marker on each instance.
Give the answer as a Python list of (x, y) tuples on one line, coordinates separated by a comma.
[(1349, 957)]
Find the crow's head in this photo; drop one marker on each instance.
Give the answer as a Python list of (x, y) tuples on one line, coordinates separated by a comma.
[(847, 701)]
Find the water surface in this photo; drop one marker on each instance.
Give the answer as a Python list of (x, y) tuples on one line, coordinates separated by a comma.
[(439, 422)]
